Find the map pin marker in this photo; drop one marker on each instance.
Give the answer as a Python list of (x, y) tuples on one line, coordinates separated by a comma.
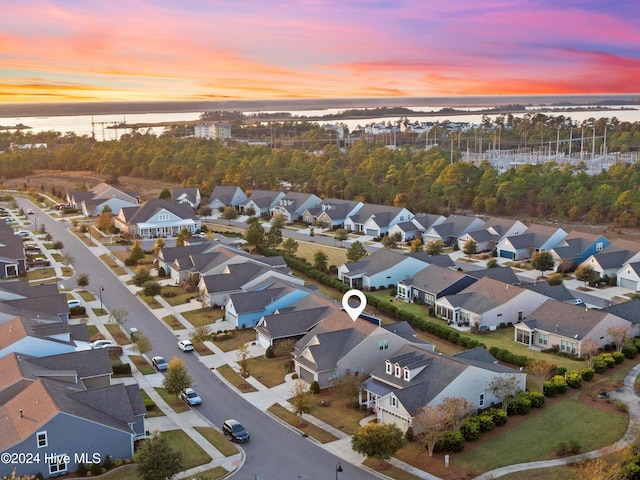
[(354, 312)]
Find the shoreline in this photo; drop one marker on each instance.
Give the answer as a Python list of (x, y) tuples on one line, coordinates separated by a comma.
[(123, 108)]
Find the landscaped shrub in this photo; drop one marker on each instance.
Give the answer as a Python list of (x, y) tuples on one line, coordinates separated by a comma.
[(560, 383), (499, 416), (79, 310), (269, 352), (470, 429), (129, 262), (599, 365), (314, 387), (486, 422), (549, 389), (559, 371), (408, 435), (506, 356), (95, 468), (107, 463), (149, 404), (574, 379), (452, 442), (618, 357), (521, 405), (536, 399), (565, 449), (629, 350), (82, 470), (587, 374), (120, 368), (608, 359)]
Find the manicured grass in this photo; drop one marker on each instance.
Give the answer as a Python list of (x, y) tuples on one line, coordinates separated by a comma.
[(336, 255), (179, 295), (173, 401), (141, 364), (268, 371), (57, 257), (151, 301), (117, 334), (200, 317), (234, 379), (99, 312), (555, 473), (173, 322), (534, 438), (218, 440), (111, 263), (93, 330), (153, 411), (202, 349), (390, 471), (212, 473), (126, 472), (337, 413), (41, 273), (192, 454), (310, 429), (240, 337), (86, 295)]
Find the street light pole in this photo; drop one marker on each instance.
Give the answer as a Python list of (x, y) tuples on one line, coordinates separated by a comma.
[(338, 469), (101, 289)]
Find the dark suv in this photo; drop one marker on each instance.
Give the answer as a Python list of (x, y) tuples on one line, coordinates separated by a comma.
[(234, 431)]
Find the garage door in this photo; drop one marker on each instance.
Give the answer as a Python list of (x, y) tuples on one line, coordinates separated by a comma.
[(372, 233), (506, 254), (628, 283), (306, 375)]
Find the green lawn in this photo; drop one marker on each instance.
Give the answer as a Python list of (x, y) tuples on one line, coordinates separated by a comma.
[(200, 317), (93, 331), (153, 411), (86, 295), (151, 301), (534, 438), (236, 380), (310, 429), (268, 371), (118, 335), (173, 322), (177, 295), (218, 440), (192, 454), (239, 337), (336, 255), (141, 364), (172, 400)]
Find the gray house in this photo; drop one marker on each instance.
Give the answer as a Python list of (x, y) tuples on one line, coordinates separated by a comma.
[(226, 196), (294, 204), (331, 211), (433, 282), (188, 196)]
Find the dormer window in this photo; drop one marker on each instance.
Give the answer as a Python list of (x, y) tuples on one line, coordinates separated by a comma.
[(406, 374), (397, 371), (388, 367), (163, 217)]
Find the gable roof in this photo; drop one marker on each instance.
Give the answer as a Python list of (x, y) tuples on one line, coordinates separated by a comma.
[(291, 323), (18, 328), (557, 292), (503, 274), (629, 310), (434, 279), (564, 319), (378, 261), (454, 225), (185, 194), (484, 295), (149, 208), (383, 214)]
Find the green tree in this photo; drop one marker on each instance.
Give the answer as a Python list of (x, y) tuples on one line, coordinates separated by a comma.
[(177, 378), (391, 241), (255, 234), (416, 246), (242, 355), (141, 276), (118, 316), (378, 440), (83, 280), (165, 194), (356, 251), (341, 235), (136, 253), (229, 213), (151, 288), (201, 333), (586, 274), (302, 400), (431, 424), (141, 344), (290, 246), (320, 260), (250, 211), (158, 245), (470, 247), (274, 236), (183, 236), (542, 261), (157, 459), (434, 247)]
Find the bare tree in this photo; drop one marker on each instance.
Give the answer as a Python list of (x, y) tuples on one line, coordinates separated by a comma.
[(589, 350), (618, 336), (539, 371), (302, 399), (504, 388), (431, 425)]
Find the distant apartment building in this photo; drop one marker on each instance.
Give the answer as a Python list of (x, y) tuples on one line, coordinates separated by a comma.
[(213, 131)]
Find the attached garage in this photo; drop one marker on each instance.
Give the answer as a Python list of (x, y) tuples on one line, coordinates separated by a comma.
[(628, 283), (305, 374), (506, 254)]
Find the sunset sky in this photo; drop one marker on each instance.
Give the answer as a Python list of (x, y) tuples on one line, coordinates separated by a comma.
[(73, 50)]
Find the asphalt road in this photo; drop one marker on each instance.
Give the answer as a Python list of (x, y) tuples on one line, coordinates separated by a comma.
[(275, 452)]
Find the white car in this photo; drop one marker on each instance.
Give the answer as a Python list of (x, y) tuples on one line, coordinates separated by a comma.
[(185, 346), (190, 397), (23, 233), (101, 344), (74, 303), (30, 211)]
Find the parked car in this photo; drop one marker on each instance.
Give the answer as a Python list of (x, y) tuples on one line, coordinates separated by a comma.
[(160, 363), (101, 344), (30, 211), (234, 431), (190, 397), (577, 301), (23, 233), (185, 346), (74, 303)]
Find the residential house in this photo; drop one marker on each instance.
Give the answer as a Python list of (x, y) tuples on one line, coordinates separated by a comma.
[(226, 196), (93, 202), (42, 302), (415, 228), (494, 230), (560, 293), (629, 276), (39, 338), (488, 303), (381, 269), (13, 259), (566, 327), (610, 260), (156, 218), (536, 238), (294, 204), (168, 255), (411, 378), (376, 220), (339, 346), (188, 196), (577, 247), (629, 310), (63, 410), (454, 227), (503, 274), (332, 212), (235, 277), (245, 309), (262, 201), (431, 283)]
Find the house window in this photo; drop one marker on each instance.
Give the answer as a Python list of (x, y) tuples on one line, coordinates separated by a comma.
[(163, 217), (396, 371), (406, 374), (599, 246), (393, 401), (383, 344), (520, 316), (42, 439), (543, 339), (388, 367), (481, 401), (401, 218), (58, 464), (566, 346)]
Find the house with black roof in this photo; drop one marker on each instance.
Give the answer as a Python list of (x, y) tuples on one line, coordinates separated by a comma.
[(156, 218), (226, 196), (431, 283)]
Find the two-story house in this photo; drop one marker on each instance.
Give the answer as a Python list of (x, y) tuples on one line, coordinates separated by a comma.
[(156, 218)]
